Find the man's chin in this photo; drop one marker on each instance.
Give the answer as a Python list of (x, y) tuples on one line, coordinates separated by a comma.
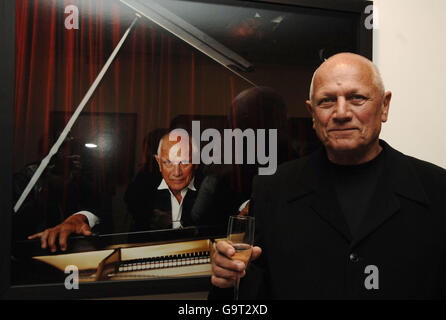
[(177, 186), (343, 145)]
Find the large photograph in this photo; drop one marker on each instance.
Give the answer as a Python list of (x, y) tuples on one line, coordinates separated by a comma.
[(108, 97)]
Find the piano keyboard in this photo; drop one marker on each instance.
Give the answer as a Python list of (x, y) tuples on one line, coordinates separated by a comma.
[(171, 261)]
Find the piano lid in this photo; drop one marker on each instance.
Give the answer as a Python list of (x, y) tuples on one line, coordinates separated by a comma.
[(160, 15)]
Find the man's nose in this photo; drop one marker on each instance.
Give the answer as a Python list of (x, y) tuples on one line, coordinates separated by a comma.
[(177, 169), (342, 111)]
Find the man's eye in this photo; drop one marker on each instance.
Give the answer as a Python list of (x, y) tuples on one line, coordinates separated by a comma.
[(357, 99), (326, 102)]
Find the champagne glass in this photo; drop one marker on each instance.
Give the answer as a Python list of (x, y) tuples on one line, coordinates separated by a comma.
[(241, 236)]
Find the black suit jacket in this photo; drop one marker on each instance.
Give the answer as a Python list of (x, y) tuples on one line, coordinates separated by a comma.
[(308, 252), (150, 208)]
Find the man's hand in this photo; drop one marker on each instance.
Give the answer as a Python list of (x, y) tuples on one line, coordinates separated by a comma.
[(245, 210), (75, 224), (225, 270)]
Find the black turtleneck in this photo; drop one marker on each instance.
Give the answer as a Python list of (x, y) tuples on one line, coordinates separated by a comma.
[(355, 186)]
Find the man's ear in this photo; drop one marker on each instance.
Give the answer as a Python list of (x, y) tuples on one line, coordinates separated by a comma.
[(386, 106), (158, 160), (309, 107)]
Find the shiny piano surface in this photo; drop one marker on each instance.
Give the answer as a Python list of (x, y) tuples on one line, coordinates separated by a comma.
[(151, 255), (119, 262)]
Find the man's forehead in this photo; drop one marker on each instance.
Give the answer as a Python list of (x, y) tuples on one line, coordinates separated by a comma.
[(347, 58), (181, 147), (334, 75)]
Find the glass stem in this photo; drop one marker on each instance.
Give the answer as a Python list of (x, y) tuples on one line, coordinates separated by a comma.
[(236, 287)]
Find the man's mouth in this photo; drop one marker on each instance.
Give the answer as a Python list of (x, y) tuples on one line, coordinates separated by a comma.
[(342, 130)]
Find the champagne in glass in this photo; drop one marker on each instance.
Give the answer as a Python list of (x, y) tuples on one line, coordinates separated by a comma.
[(242, 252), (241, 237)]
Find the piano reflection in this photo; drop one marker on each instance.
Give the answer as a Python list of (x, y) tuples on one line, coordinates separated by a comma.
[(167, 254), (178, 259)]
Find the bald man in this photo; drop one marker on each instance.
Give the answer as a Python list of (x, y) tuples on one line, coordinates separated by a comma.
[(356, 219), (170, 204)]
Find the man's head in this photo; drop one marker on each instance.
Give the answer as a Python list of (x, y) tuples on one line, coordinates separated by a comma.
[(348, 104), (175, 161)]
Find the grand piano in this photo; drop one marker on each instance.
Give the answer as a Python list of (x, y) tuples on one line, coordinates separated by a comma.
[(152, 263)]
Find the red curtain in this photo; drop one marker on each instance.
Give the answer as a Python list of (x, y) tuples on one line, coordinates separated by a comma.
[(55, 66), (154, 76)]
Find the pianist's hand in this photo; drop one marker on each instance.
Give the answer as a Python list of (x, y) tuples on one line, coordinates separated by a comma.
[(225, 270), (74, 224)]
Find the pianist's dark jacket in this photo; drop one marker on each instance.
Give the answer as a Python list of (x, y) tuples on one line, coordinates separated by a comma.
[(150, 208)]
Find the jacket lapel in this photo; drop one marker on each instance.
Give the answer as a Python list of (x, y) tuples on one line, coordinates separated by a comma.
[(188, 202), (398, 178), (162, 201), (326, 205), (384, 204), (314, 182)]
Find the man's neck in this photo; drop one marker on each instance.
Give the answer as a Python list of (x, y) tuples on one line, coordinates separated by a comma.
[(178, 196), (355, 157)]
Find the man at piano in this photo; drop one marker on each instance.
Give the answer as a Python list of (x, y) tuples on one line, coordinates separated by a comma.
[(182, 198)]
